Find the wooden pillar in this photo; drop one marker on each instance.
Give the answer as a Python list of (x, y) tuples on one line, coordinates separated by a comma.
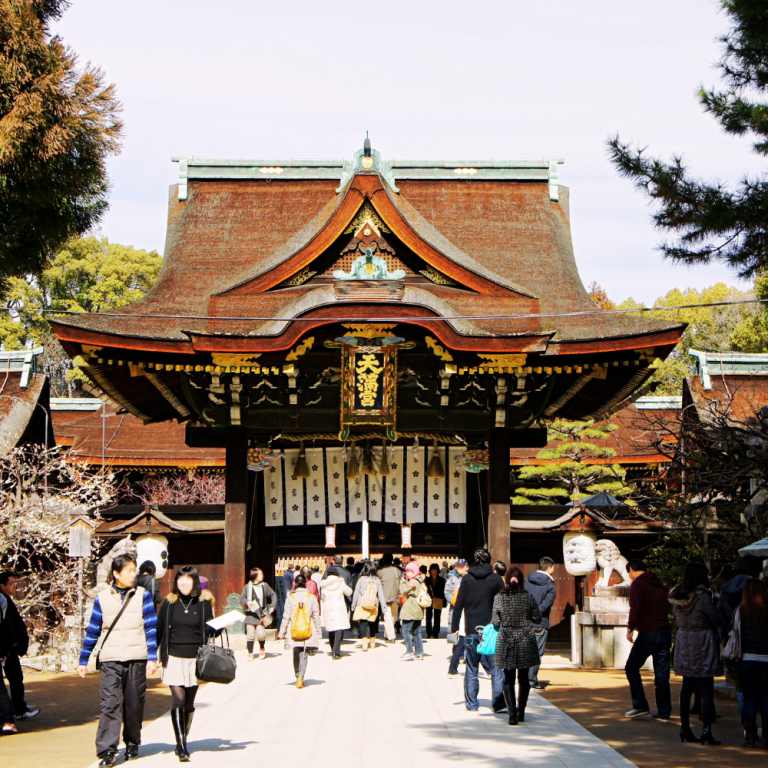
[(498, 495), (235, 509)]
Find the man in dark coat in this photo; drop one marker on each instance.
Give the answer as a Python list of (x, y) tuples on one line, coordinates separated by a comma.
[(147, 579), (541, 584), (7, 724), (649, 615), (288, 579), (475, 603), (18, 646)]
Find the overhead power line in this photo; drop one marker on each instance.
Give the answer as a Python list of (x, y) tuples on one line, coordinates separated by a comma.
[(530, 316)]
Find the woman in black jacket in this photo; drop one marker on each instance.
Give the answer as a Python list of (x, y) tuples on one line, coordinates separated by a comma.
[(514, 614), (181, 631), (697, 649), (436, 588)]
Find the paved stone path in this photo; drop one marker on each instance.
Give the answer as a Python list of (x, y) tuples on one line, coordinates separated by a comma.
[(368, 709)]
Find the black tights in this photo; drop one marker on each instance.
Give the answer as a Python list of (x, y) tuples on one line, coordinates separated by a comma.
[(705, 688), (522, 682), (184, 698), (367, 628)]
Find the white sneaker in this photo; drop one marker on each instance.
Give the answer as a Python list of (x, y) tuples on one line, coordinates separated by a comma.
[(407, 657)]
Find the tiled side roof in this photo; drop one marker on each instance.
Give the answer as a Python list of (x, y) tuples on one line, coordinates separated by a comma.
[(129, 442), (743, 394), (18, 408)]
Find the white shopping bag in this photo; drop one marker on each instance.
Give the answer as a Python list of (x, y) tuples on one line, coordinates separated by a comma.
[(389, 625)]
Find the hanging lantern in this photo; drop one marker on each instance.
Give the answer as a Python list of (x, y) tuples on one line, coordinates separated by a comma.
[(153, 547), (330, 537), (405, 537), (579, 552)]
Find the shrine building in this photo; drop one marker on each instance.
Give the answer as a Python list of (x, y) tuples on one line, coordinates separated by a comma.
[(371, 338)]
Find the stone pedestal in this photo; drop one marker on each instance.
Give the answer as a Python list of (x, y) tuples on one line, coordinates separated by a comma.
[(599, 633)]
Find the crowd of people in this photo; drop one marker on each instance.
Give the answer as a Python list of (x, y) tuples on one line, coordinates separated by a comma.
[(498, 619), (737, 620), (406, 594)]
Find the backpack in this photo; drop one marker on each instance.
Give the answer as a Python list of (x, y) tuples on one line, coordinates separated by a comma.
[(370, 599), (301, 622), (423, 598)]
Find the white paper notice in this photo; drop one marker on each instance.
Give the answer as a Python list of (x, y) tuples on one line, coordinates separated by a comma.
[(226, 620)]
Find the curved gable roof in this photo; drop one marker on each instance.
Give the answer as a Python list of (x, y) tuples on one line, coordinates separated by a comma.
[(401, 217)]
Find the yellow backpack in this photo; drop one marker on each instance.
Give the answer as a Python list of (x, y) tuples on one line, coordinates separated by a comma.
[(301, 622)]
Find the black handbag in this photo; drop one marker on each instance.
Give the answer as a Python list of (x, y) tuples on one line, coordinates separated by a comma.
[(215, 663)]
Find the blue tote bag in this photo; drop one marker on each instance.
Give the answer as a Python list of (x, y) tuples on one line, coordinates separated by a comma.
[(487, 646)]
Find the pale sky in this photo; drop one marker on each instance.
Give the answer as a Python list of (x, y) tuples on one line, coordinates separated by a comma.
[(427, 79)]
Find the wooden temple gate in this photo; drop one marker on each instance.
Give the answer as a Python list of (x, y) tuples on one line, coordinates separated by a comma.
[(351, 310)]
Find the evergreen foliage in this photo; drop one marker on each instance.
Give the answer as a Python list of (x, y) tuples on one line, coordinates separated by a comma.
[(569, 470), (715, 222), (89, 274), (58, 124)]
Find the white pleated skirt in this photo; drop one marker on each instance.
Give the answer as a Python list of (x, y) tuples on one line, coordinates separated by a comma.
[(180, 672)]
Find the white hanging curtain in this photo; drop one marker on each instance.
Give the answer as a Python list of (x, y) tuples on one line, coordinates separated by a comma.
[(327, 497)]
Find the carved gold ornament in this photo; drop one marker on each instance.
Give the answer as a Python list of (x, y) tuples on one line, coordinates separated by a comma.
[(438, 349), (438, 278), (298, 279), (367, 216), (301, 349), (369, 330), (502, 361), (229, 360)]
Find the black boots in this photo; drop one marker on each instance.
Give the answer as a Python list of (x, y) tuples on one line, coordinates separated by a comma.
[(179, 720), (750, 734), (707, 737), (190, 716), (509, 698), (522, 703), (686, 734), (131, 752), (108, 759)]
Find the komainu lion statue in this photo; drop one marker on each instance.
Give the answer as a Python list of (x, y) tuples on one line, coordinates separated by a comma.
[(609, 559), (104, 568)]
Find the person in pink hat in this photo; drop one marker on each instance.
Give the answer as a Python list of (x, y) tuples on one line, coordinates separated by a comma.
[(411, 612)]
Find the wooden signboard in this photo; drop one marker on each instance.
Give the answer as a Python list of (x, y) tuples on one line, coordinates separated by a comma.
[(368, 391)]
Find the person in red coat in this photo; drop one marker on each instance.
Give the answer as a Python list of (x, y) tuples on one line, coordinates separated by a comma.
[(649, 615), (311, 585)]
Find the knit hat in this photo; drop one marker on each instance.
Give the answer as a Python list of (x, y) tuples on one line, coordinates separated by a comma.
[(332, 571), (412, 570)]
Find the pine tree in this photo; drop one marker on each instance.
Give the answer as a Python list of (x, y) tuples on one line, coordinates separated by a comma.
[(714, 222), (568, 468), (57, 126)]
